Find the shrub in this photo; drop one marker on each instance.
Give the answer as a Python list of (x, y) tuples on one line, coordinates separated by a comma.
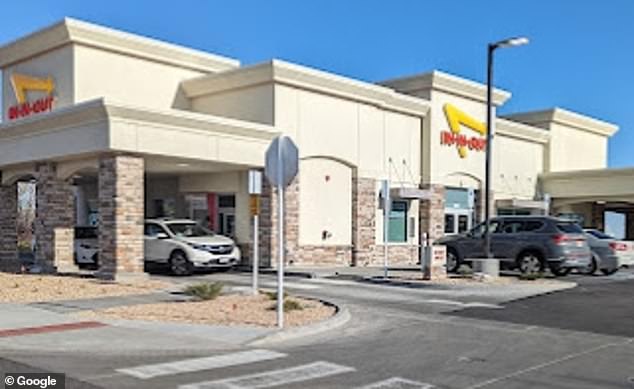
[(273, 295), (292, 305), (531, 277), (205, 290), (289, 305), (465, 271)]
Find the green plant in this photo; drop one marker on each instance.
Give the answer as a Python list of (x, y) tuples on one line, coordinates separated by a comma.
[(289, 305), (531, 276), (205, 290), (465, 271), (273, 295)]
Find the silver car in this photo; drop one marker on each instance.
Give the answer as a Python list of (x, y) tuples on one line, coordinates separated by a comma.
[(608, 254)]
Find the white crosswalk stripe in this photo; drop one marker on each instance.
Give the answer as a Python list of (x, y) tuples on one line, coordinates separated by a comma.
[(398, 383), (199, 364), (275, 377)]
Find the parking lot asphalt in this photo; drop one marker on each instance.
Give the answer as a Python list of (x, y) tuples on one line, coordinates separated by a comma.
[(397, 338), (594, 306)]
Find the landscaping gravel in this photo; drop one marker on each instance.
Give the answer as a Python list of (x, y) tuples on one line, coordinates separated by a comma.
[(28, 288), (224, 310)]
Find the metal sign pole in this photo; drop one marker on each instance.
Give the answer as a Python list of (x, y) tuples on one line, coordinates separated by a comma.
[(255, 190), (280, 239), (282, 165), (256, 253), (386, 219)]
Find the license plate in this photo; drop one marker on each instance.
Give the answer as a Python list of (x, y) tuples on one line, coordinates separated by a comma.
[(223, 260)]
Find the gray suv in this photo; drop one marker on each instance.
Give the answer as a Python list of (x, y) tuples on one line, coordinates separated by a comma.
[(527, 243)]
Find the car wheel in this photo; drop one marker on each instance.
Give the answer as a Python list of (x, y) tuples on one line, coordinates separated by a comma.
[(608, 272), (453, 261), (560, 271), (180, 265), (530, 263), (592, 266)]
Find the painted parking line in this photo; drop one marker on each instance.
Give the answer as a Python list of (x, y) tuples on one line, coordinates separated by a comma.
[(279, 377), (50, 328), (198, 364), (398, 383)]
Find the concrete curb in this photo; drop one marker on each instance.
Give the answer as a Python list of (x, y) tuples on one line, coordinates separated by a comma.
[(341, 317), (272, 271)]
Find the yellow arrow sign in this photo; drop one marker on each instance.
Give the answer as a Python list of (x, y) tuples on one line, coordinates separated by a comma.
[(457, 118), (22, 83)]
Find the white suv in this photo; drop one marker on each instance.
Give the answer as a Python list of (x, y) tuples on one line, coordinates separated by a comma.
[(185, 245)]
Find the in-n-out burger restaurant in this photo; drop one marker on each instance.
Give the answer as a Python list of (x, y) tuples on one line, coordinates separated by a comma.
[(113, 128)]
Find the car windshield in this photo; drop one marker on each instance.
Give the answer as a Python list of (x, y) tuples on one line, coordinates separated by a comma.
[(569, 228), (599, 235), (188, 230)]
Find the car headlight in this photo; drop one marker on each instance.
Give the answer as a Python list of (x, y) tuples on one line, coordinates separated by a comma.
[(197, 246)]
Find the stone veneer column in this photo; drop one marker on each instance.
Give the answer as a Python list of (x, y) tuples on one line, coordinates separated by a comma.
[(121, 212), (364, 204), (264, 231), (54, 221), (291, 218), (432, 212), (9, 261)]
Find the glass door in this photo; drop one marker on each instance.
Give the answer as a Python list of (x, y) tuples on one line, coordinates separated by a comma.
[(457, 221)]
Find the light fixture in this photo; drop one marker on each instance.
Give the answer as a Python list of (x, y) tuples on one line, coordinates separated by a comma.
[(182, 164), (517, 41)]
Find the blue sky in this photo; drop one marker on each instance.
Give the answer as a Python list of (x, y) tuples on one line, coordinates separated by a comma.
[(580, 56)]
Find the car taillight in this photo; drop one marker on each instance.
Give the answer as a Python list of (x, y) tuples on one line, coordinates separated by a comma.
[(618, 246), (562, 239)]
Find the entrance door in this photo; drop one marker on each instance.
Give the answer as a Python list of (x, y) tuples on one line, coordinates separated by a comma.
[(226, 215), (457, 221)]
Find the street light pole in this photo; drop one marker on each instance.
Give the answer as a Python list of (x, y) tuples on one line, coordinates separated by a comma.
[(519, 41), (487, 169)]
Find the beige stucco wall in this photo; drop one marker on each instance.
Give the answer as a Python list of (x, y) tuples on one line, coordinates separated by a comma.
[(58, 64), (517, 164), (356, 133), (127, 79), (251, 103), (325, 202), (575, 149)]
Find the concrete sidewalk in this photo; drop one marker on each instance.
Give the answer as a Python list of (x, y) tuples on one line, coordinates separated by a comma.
[(38, 327)]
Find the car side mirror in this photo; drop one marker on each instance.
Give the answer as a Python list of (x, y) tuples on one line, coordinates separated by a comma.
[(162, 235)]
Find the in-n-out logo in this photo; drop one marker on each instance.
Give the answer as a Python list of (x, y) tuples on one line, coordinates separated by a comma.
[(21, 84), (457, 119)]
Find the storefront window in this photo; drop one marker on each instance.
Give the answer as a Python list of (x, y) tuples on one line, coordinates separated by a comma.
[(450, 223), (463, 223), (397, 222)]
